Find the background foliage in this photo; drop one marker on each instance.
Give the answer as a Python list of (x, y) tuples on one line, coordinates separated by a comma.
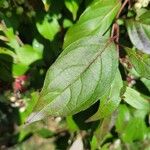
[(103, 45)]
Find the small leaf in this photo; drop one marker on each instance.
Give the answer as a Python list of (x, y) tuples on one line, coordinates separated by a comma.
[(6, 51), (97, 18), (133, 98), (72, 126), (111, 100), (19, 69), (94, 143), (81, 75), (139, 32), (12, 40), (27, 55), (49, 27), (140, 61), (72, 6)]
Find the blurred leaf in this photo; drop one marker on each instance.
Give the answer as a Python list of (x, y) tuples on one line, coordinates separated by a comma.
[(48, 27), (139, 113), (139, 32), (71, 124), (140, 61), (94, 143), (19, 69), (27, 54), (4, 50), (67, 23), (146, 83), (133, 98), (12, 40), (106, 146), (38, 46), (122, 118), (96, 19), (30, 105), (102, 132), (67, 89), (45, 133), (110, 101), (135, 130), (73, 6)]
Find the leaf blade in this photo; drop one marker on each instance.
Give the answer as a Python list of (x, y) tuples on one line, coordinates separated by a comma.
[(96, 18), (75, 93), (133, 98)]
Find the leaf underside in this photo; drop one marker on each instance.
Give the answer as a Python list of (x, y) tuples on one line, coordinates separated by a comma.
[(139, 32)]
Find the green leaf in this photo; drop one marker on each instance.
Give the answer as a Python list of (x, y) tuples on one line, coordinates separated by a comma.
[(133, 98), (111, 100), (67, 23), (72, 6), (139, 32), (45, 133), (27, 54), (135, 130), (6, 51), (140, 61), (72, 126), (97, 18), (122, 118), (19, 69), (30, 105), (81, 75), (146, 83), (38, 46), (12, 40), (94, 143), (49, 27)]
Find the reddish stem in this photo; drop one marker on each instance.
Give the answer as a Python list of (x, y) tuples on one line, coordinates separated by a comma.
[(122, 7)]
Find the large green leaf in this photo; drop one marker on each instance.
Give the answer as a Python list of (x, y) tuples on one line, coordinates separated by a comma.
[(139, 32), (110, 101), (140, 61), (97, 18), (81, 75), (133, 98)]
